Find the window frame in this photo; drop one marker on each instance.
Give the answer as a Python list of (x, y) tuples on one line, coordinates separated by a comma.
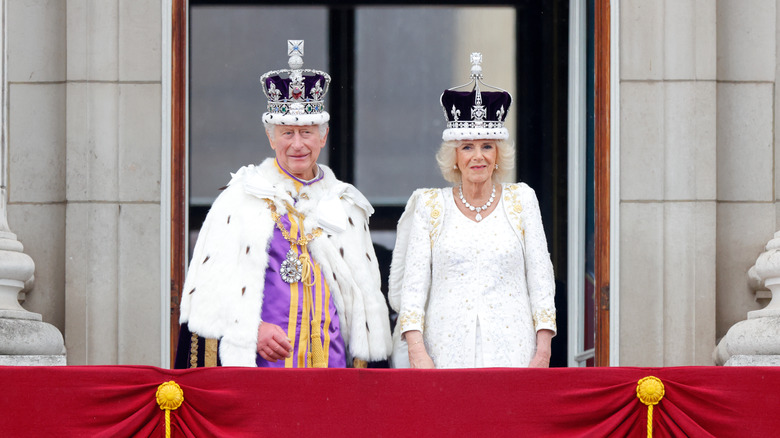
[(174, 214)]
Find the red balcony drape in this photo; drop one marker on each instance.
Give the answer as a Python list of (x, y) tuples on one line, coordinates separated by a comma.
[(119, 401)]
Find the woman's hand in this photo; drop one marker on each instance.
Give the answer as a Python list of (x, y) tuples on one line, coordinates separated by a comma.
[(418, 356), (272, 342), (540, 361), (543, 349)]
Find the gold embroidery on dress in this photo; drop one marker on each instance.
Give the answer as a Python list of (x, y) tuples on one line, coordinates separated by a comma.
[(434, 205), (410, 318), (544, 317), (512, 198)]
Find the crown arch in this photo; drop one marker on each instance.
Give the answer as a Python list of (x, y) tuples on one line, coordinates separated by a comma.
[(380, 97)]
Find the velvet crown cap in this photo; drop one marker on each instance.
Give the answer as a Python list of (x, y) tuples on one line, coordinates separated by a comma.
[(475, 114), (296, 96)]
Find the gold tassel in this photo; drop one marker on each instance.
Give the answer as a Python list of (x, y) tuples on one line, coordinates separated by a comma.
[(169, 397), (650, 391), (317, 355)]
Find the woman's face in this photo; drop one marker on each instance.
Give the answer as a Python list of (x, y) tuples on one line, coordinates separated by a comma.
[(476, 160)]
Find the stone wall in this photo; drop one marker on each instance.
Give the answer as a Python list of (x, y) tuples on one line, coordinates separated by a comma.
[(85, 159), (697, 171), (36, 68)]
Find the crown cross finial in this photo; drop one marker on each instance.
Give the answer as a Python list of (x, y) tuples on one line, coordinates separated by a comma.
[(295, 52), (476, 67), (294, 47), (297, 89), (478, 114)]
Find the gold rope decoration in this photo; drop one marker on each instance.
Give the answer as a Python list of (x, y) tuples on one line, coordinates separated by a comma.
[(650, 391), (169, 397), (317, 354), (194, 351)]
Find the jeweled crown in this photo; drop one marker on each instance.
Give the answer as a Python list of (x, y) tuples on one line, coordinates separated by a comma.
[(475, 114), (296, 96)]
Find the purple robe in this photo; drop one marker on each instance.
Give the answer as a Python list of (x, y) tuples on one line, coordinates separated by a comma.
[(279, 297)]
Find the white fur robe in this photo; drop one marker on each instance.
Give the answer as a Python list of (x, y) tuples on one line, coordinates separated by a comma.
[(223, 293)]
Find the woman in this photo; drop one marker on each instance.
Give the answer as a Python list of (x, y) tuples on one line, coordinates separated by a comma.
[(472, 279)]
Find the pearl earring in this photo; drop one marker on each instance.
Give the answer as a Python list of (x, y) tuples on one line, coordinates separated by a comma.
[(455, 167), (496, 166)]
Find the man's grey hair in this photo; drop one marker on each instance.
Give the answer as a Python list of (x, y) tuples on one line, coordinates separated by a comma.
[(269, 128)]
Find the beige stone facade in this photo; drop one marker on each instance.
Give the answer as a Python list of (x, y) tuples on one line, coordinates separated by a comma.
[(698, 178), (84, 146), (87, 133)]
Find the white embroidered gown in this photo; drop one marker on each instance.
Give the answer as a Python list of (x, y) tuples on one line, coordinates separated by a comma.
[(479, 312)]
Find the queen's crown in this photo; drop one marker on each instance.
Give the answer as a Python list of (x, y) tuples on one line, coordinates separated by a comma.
[(474, 113)]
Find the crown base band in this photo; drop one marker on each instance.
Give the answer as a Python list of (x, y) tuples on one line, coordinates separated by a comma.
[(483, 133), (296, 119)]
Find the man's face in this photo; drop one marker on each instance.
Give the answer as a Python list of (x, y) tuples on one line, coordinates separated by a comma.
[(297, 148)]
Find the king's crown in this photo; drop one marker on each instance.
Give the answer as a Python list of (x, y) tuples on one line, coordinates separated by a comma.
[(296, 96)]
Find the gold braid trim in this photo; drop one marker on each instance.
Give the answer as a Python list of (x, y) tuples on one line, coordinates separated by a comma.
[(194, 350), (210, 353)]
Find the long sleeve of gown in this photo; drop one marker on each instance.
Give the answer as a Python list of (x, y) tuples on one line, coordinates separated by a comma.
[(417, 275), (539, 270)]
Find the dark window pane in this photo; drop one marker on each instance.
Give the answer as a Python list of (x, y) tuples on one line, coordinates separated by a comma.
[(406, 57), (230, 48)]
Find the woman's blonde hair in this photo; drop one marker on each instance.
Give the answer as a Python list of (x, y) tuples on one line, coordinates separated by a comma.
[(446, 160)]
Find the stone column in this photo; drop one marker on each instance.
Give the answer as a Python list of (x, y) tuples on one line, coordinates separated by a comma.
[(24, 338), (113, 310), (756, 341), (668, 182)]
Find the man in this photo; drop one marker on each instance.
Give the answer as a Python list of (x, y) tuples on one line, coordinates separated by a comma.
[(284, 273)]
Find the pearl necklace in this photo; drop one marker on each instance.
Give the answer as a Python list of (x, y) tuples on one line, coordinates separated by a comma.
[(477, 209)]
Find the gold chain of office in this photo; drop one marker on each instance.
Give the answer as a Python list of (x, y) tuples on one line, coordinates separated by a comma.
[(295, 267)]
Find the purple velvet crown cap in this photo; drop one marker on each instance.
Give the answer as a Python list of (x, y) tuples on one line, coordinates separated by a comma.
[(496, 105), (470, 119), (283, 85)]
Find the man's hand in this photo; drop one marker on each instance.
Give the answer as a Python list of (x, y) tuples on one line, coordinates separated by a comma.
[(272, 342)]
